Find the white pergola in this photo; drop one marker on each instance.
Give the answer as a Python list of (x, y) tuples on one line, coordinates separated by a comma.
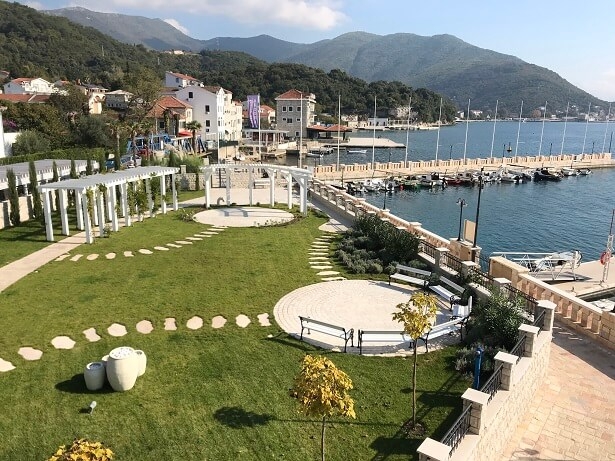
[(301, 176), (104, 189)]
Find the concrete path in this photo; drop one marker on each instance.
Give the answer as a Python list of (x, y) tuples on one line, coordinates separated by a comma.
[(573, 416)]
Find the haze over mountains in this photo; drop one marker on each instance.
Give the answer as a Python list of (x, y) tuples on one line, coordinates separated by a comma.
[(441, 63)]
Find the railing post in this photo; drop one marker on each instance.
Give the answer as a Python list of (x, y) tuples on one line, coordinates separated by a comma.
[(478, 400), (508, 361), (549, 309), (438, 255), (466, 267), (501, 282), (432, 450), (530, 332)]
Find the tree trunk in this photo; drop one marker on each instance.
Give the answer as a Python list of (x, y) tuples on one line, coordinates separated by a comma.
[(414, 389), (322, 440)]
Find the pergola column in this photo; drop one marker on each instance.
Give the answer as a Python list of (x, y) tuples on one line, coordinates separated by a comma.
[(228, 186), (150, 202), (83, 198), (63, 211), (101, 213), (95, 213), (110, 203), (125, 208), (112, 200), (271, 174), (302, 181), (250, 184), (289, 185), (175, 203), (48, 220), (207, 187), (79, 209), (163, 192)]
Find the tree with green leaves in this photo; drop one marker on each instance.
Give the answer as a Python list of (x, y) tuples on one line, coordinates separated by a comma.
[(102, 162), (73, 169), (30, 142), (14, 215), (89, 170), (417, 316), (37, 206), (194, 126), (322, 390)]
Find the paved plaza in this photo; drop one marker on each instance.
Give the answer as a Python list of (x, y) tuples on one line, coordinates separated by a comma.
[(243, 216)]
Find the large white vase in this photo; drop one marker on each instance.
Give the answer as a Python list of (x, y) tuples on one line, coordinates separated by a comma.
[(142, 360), (122, 368), (94, 375)]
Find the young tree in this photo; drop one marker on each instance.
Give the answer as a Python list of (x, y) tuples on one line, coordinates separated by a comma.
[(73, 169), (418, 316), (89, 170), (14, 215), (37, 206), (194, 126), (56, 178), (322, 390)]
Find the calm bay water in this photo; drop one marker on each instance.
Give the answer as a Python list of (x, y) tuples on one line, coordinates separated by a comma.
[(574, 213)]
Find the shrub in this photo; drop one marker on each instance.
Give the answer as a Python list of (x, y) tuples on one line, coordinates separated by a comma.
[(464, 360), (186, 214), (374, 268)]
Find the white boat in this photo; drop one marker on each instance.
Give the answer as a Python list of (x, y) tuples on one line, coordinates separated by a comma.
[(357, 151), (314, 154), (584, 171), (373, 185), (569, 171)]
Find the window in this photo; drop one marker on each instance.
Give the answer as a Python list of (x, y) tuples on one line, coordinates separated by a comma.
[(207, 109), (190, 95), (290, 108), (296, 134), (207, 123), (283, 108), (283, 119)]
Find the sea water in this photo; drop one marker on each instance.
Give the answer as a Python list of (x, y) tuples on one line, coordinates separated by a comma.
[(572, 214)]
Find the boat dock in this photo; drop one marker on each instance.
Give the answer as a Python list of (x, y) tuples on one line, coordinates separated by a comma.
[(356, 142)]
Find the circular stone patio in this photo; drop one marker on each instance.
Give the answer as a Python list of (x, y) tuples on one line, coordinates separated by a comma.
[(243, 216), (358, 304)]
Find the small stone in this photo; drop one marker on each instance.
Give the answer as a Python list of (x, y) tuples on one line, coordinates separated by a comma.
[(194, 323), (62, 342), (117, 330), (92, 257), (218, 322), (91, 335), (242, 320), (76, 258), (29, 353), (62, 257), (6, 366), (263, 319), (145, 251), (169, 324), (144, 327), (161, 248), (128, 254), (110, 256)]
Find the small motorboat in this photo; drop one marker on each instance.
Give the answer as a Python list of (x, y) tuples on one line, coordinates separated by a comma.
[(547, 174), (569, 171), (356, 151), (584, 171)]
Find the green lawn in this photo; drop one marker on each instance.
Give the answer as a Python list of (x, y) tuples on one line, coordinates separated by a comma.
[(207, 394)]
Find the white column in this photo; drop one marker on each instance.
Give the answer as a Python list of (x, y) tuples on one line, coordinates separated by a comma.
[(89, 237), (271, 174), (175, 204), (113, 215), (125, 207), (289, 185), (250, 184), (163, 192), (150, 202), (303, 195), (110, 203), (48, 220), (95, 206), (63, 211), (207, 192), (101, 213), (228, 186), (78, 209)]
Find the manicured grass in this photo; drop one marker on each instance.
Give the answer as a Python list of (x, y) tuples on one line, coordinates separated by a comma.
[(207, 394)]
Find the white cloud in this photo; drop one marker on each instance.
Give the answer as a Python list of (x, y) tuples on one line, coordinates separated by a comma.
[(177, 25), (35, 5), (305, 14)]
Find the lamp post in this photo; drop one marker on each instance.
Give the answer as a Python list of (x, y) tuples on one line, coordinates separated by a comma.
[(480, 188), (461, 202)]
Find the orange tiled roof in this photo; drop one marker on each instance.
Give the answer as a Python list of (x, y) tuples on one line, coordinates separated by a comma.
[(39, 98), (184, 76), (294, 94)]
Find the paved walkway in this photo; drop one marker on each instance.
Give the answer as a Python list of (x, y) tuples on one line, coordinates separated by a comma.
[(573, 416)]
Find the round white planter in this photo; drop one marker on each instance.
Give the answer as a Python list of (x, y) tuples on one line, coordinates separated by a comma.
[(94, 375), (142, 360), (122, 368)]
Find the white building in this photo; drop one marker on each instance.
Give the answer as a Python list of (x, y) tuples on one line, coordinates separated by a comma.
[(177, 80), (29, 86), (117, 99), (295, 111)]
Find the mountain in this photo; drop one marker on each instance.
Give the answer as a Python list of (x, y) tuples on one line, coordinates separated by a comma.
[(442, 63)]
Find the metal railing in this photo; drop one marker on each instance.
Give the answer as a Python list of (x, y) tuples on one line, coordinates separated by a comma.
[(493, 384), (540, 321), (530, 302), (458, 430), (519, 348), (482, 278), (450, 261), (427, 248)]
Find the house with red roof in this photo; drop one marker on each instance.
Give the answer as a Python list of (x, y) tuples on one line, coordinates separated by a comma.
[(170, 115), (295, 111), (177, 80), (26, 85)]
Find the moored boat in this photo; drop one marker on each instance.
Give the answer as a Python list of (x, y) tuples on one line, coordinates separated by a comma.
[(569, 171), (547, 174)]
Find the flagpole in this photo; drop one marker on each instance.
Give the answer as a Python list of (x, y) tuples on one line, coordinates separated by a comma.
[(439, 126), (260, 154), (519, 128), (339, 121), (495, 119), (300, 130), (561, 151), (465, 144), (606, 128), (374, 136), (408, 133)]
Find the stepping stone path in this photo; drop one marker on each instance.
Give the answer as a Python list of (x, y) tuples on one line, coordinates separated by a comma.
[(62, 342), (194, 238), (183, 242), (128, 254), (91, 335), (117, 330), (62, 257), (263, 319), (76, 258), (194, 323), (206, 233), (145, 327), (169, 324), (29, 353), (161, 248), (110, 256), (218, 322), (322, 268), (242, 320), (92, 257), (145, 251), (173, 245), (319, 258), (333, 279), (6, 366), (324, 273)]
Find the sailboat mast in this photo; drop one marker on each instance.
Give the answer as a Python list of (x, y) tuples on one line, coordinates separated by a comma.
[(606, 128), (589, 109), (465, 144), (408, 133), (519, 128), (339, 122), (439, 125), (561, 151), (495, 119), (542, 132), (374, 136)]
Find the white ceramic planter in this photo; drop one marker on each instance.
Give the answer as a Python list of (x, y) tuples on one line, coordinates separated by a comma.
[(94, 375), (122, 368), (142, 360), (104, 360)]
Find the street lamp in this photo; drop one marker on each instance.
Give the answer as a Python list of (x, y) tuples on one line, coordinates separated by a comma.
[(480, 188), (461, 202)]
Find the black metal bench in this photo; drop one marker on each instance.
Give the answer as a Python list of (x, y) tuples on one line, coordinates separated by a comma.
[(382, 337), (328, 329)]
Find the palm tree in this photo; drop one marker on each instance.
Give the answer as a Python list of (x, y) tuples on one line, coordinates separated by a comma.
[(194, 126)]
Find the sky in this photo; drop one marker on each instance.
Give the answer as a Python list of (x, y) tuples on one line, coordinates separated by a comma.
[(574, 39)]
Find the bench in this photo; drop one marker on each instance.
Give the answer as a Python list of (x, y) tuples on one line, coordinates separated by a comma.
[(328, 329), (383, 337), (406, 274), (261, 182), (452, 326), (462, 312), (443, 291)]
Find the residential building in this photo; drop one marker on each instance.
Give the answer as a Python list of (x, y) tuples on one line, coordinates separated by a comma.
[(29, 86), (170, 115), (177, 80), (118, 99), (267, 114), (295, 111)]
